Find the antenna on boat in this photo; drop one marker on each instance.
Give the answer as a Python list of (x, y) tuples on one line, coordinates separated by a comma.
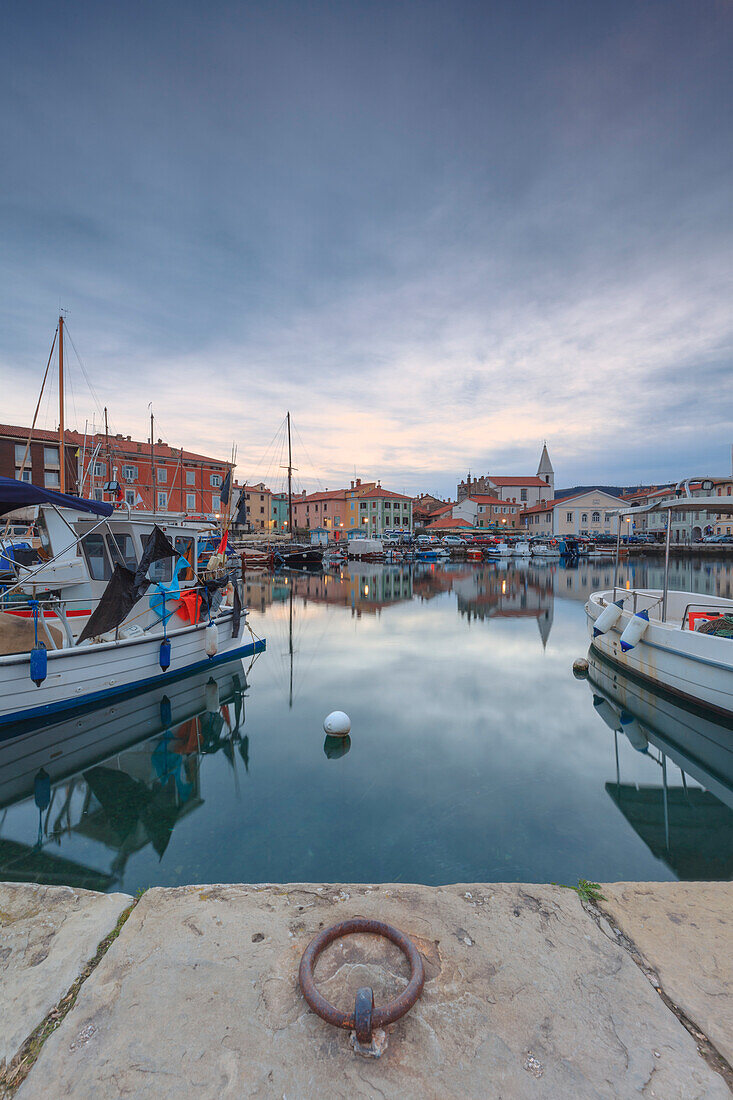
[(152, 455), (62, 456)]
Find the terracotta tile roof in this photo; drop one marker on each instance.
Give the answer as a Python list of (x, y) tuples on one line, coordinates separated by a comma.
[(442, 510), (521, 481), (448, 524), (491, 500), (330, 494), (126, 448), (379, 494), (544, 506), (12, 430)]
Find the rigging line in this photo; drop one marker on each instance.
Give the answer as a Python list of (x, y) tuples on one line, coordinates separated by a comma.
[(35, 417), (88, 380), (267, 448), (308, 457), (38, 402)]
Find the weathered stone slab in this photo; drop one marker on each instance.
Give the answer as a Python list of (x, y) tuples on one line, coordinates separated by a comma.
[(524, 997), (684, 930), (47, 934)]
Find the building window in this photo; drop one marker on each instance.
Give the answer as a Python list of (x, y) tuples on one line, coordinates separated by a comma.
[(25, 475), (130, 497), (50, 456), (98, 494), (596, 517), (569, 516), (262, 511), (100, 471), (190, 477), (129, 473), (163, 502), (20, 454), (215, 481), (162, 474), (51, 479), (190, 502), (584, 517), (523, 494), (215, 502)]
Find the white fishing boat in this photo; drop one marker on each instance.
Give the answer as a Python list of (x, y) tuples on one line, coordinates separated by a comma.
[(500, 550), (544, 548), (679, 641), (521, 549), (147, 625)]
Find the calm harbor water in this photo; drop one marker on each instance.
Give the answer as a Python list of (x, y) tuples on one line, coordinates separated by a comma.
[(474, 754)]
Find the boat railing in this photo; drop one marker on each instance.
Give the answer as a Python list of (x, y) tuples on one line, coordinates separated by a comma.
[(58, 607)]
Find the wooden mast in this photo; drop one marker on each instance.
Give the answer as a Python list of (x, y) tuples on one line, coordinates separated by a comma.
[(62, 453), (290, 483)]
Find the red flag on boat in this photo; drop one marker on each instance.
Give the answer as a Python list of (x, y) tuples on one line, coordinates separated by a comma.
[(222, 547)]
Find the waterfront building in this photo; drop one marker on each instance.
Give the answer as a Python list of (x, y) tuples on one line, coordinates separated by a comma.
[(153, 477), (687, 526), (259, 506), (589, 513), (423, 506), (279, 511), (381, 510), (488, 511), (326, 509), (523, 489), (365, 506)]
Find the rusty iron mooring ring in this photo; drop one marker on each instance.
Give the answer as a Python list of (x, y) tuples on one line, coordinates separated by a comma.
[(365, 1016)]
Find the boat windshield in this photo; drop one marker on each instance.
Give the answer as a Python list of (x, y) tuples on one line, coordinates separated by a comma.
[(122, 549)]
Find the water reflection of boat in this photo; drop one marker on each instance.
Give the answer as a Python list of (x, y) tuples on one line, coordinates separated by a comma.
[(689, 828), (119, 778)]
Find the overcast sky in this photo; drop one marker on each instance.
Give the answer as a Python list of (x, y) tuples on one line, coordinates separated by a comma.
[(438, 232)]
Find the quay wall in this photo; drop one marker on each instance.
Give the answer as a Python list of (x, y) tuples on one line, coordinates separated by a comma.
[(530, 991)]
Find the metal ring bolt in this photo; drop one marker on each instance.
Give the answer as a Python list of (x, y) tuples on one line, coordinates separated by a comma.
[(365, 1016)]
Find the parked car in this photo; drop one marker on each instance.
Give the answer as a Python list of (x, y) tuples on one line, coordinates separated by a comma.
[(453, 540)]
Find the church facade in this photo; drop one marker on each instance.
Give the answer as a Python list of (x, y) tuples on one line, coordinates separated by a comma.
[(520, 489)]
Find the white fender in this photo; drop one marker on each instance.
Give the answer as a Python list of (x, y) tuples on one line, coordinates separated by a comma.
[(608, 617), (635, 627), (211, 642)]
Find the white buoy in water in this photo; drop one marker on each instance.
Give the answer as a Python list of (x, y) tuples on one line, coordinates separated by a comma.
[(337, 724)]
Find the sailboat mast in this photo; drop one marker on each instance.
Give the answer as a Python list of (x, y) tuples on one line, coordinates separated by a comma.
[(152, 461), (62, 455), (106, 442), (290, 483)]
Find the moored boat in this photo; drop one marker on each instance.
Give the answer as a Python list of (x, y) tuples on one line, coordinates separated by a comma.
[(679, 641)]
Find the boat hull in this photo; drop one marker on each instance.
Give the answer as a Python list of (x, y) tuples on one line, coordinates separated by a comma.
[(88, 675), (694, 667)]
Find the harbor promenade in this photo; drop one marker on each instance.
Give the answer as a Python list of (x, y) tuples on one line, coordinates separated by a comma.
[(530, 991)]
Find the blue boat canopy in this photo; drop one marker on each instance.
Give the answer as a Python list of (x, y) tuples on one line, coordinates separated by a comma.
[(21, 494)]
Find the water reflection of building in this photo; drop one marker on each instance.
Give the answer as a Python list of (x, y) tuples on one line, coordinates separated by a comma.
[(708, 576), (688, 827), (126, 801), (514, 589), (363, 588)]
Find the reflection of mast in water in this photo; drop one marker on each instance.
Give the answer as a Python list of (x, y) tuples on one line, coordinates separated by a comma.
[(689, 828), (290, 634)]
